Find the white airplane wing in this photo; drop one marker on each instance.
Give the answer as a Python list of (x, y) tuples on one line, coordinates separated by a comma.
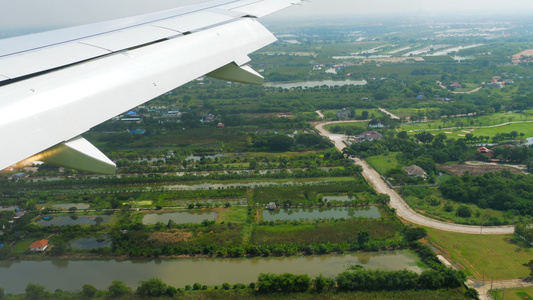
[(58, 84)]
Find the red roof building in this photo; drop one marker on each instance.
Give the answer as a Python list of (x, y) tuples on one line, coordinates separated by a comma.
[(39, 246)]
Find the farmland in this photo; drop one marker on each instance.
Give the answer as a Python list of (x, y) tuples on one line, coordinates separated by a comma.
[(484, 256)]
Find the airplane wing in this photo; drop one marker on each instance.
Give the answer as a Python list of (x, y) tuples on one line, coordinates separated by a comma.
[(58, 84)]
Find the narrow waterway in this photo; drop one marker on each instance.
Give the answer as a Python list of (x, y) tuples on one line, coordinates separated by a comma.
[(72, 275)]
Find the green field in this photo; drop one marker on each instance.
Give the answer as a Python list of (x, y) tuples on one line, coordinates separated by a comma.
[(383, 163), (485, 256), (334, 232), (420, 200), (513, 294)]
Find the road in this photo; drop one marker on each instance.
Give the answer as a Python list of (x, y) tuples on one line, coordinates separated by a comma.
[(468, 92), (402, 208)]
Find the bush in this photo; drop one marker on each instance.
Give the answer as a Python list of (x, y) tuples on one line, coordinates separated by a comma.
[(464, 211), (88, 290)]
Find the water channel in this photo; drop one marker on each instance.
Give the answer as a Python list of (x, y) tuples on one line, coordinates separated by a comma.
[(72, 275)]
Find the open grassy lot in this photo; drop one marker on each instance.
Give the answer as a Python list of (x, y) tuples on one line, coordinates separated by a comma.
[(383, 163), (309, 193), (492, 256), (513, 294), (232, 214), (423, 201), (334, 232)]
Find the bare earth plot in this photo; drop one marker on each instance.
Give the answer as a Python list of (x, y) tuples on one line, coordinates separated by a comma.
[(476, 169)]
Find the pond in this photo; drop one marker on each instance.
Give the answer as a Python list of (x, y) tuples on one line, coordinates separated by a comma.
[(341, 198), (91, 243), (283, 214), (72, 220), (310, 84), (182, 217), (7, 208), (72, 275), (66, 206)]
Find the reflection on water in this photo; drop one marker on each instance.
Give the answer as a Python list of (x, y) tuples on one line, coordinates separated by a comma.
[(72, 275), (370, 212), (310, 84), (69, 205), (181, 217), (72, 220), (91, 243), (7, 208)]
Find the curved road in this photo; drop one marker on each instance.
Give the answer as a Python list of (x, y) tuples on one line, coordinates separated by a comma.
[(402, 208)]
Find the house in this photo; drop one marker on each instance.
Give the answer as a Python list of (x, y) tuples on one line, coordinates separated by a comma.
[(483, 150), (271, 206), (19, 214), (343, 114), (370, 136), (415, 171), (220, 125), (39, 246), (18, 176)]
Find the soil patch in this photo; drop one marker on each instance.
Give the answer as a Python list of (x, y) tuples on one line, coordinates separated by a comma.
[(459, 169), (169, 237)]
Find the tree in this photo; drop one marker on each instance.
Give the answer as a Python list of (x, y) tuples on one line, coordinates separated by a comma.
[(35, 291), (98, 220), (88, 290), (425, 137), (530, 266), (414, 233), (59, 248), (72, 209), (118, 289), (363, 237), (152, 287), (322, 283)]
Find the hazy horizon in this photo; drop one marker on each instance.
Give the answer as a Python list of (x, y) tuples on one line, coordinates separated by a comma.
[(16, 18)]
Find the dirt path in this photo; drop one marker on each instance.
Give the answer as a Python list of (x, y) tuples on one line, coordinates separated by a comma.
[(468, 92), (483, 287), (395, 117), (320, 114), (403, 210)]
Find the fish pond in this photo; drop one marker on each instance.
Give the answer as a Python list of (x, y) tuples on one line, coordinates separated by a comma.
[(290, 214), (182, 217), (72, 220)]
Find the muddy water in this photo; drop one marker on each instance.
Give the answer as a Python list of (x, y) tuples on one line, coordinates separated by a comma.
[(72, 275)]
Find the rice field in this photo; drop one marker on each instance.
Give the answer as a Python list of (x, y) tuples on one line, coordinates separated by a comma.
[(485, 256)]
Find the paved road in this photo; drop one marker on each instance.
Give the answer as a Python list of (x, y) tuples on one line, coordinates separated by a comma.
[(402, 209)]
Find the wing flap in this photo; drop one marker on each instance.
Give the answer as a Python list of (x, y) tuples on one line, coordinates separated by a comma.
[(124, 39), (193, 21), (263, 8)]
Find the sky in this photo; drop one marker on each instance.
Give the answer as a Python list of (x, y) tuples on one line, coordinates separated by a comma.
[(61, 13)]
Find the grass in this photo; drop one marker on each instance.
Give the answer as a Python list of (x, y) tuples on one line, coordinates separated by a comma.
[(383, 163), (308, 193), (485, 256), (233, 214), (334, 232), (419, 200), (513, 294)]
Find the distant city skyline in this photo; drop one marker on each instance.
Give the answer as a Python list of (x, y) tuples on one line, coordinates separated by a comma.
[(62, 13)]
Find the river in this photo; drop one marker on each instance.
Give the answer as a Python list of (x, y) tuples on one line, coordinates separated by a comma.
[(72, 275), (310, 84)]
